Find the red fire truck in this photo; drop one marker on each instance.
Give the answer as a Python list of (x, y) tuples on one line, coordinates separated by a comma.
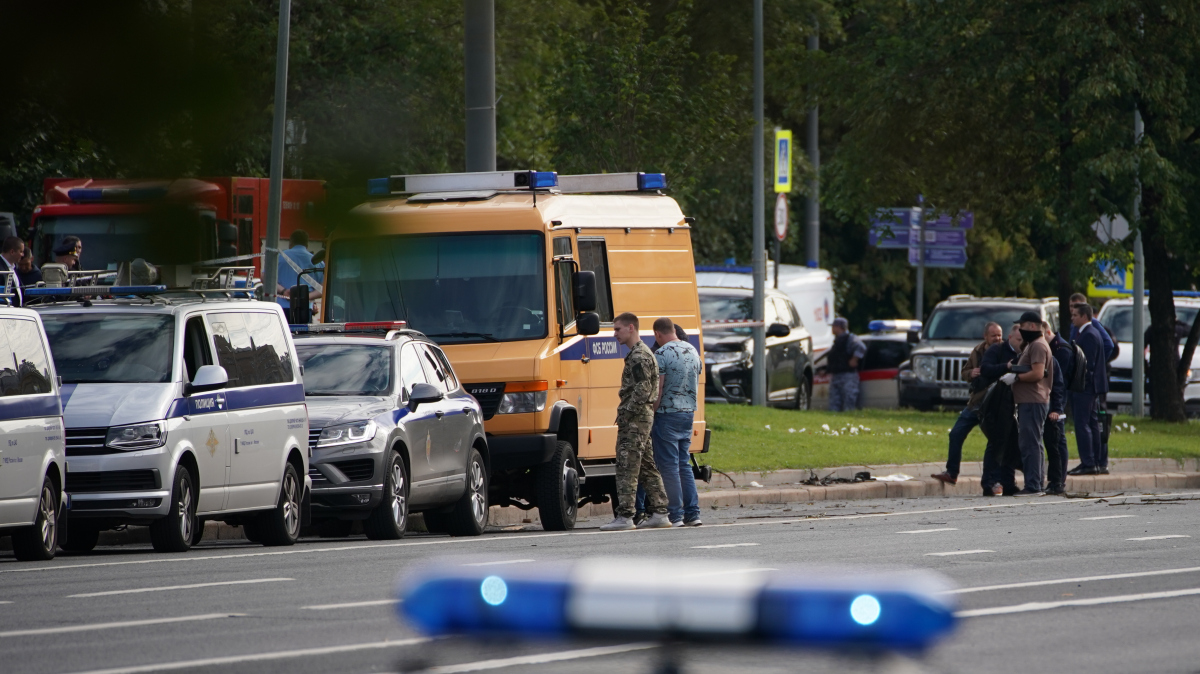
[(169, 221)]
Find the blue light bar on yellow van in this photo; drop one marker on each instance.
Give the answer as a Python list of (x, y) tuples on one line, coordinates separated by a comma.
[(463, 182), (681, 600), (612, 182), (894, 325), (91, 291)]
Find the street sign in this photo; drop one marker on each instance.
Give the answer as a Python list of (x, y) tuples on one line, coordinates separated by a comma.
[(897, 238), (781, 216), (904, 238), (964, 220), (891, 227), (1111, 279), (954, 258), (783, 161)]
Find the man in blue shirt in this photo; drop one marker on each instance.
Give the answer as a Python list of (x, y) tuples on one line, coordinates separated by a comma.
[(290, 277)]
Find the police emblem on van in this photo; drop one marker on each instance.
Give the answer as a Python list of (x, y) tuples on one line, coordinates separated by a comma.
[(212, 442)]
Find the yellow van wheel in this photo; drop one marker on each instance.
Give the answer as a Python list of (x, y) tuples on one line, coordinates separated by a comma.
[(557, 484)]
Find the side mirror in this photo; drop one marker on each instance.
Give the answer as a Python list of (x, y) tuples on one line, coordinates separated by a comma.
[(423, 393), (227, 232), (587, 323), (778, 330), (914, 336), (208, 378), (585, 290)]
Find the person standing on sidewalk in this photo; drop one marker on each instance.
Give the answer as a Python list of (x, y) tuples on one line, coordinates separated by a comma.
[(1031, 379), (679, 370), (1083, 405), (1055, 434), (842, 362), (635, 418), (968, 419), (998, 477)]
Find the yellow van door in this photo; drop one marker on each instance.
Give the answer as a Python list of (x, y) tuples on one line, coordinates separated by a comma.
[(571, 384)]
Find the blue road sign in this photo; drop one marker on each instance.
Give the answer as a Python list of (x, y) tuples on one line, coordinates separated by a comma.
[(964, 220), (954, 258), (890, 228), (897, 237)]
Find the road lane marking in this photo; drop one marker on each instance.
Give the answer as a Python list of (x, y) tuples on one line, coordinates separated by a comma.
[(1097, 601), (1105, 517), (115, 625), (256, 657), (5, 602), (926, 531), (354, 604), (298, 550), (1157, 538), (1083, 579), (178, 587), (540, 659), (725, 545), (500, 563), (956, 552)]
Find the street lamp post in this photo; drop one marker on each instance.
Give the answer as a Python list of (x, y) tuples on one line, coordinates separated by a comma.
[(759, 370), (275, 188)]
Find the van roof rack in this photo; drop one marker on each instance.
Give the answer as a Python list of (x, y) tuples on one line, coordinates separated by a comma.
[(485, 184), (391, 329), (230, 282)]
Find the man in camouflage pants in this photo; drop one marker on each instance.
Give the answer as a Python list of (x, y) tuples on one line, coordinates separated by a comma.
[(635, 419)]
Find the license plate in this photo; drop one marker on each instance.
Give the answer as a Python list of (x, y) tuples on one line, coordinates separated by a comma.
[(1125, 409), (956, 394)]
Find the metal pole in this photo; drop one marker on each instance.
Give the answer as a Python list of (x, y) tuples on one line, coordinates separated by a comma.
[(812, 207), (479, 37), (759, 370), (776, 267), (920, 313), (1139, 292), (275, 188)]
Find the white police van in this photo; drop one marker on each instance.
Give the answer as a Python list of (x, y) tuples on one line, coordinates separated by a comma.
[(32, 460), (180, 407)]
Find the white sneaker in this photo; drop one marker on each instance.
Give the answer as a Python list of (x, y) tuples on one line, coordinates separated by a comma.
[(619, 524), (678, 523), (656, 521)]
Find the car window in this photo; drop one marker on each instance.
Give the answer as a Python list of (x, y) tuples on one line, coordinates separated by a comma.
[(967, 323), (33, 366), (593, 256), (9, 381), (345, 369), (451, 379), (725, 308), (123, 348), (784, 312), (435, 371), (885, 354), (411, 370), (196, 350), (251, 347)]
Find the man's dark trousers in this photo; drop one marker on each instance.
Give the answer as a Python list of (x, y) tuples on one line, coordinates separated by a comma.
[(1031, 420), (968, 419), (994, 470), (1055, 438), (1087, 428)]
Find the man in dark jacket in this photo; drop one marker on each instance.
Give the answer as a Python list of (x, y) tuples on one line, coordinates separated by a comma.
[(998, 476), (968, 419), (1083, 405), (1055, 432)]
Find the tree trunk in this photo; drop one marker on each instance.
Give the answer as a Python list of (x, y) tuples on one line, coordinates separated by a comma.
[(1065, 291), (1166, 396)]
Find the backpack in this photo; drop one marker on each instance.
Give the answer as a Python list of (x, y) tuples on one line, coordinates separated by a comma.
[(1076, 378)]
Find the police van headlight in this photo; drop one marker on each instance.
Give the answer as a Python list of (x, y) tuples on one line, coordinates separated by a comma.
[(360, 431), (925, 367), (137, 436), (521, 403)]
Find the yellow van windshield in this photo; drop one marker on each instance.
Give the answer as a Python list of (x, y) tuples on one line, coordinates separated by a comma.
[(453, 287)]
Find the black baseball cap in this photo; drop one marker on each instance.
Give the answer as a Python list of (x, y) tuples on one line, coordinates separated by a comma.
[(1031, 317)]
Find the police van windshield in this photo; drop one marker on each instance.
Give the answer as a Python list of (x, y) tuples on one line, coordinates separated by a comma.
[(111, 348), (967, 322), (346, 369), (454, 288), (726, 308), (1119, 320)]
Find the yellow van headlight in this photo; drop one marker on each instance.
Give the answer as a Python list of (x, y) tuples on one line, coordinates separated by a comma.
[(523, 397)]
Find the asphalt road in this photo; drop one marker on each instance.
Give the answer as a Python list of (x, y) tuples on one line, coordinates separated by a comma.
[(324, 606)]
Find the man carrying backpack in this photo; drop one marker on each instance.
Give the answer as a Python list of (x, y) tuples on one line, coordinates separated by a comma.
[(1054, 434)]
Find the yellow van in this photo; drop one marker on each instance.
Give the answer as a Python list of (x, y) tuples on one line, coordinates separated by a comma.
[(517, 276)]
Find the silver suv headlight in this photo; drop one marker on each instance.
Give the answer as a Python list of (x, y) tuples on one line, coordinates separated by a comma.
[(714, 357), (137, 436), (345, 434), (521, 403), (925, 367)]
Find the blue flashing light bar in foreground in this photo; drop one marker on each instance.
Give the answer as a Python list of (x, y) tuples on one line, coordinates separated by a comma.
[(895, 325), (89, 291), (681, 600)]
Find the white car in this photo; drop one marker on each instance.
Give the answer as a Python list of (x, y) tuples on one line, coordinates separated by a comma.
[(33, 462), (179, 408), (1117, 316)]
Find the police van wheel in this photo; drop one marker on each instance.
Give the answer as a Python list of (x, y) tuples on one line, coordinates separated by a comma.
[(470, 514), (558, 489), (389, 520), (39, 541), (804, 394), (281, 526), (174, 532)]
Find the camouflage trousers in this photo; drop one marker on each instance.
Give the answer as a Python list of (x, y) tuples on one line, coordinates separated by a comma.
[(635, 462)]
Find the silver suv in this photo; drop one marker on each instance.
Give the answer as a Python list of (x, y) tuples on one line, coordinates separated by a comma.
[(933, 376)]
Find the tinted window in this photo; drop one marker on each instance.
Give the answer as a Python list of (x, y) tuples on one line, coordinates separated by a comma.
[(562, 285), (33, 367), (111, 348), (451, 380), (726, 308), (345, 369), (196, 351), (9, 381), (435, 370), (885, 354), (967, 322), (593, 256), (252, 348), (411, 370), (1119, 320)]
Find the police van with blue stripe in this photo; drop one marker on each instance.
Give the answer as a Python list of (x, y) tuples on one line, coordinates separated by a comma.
[(180, 406)]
